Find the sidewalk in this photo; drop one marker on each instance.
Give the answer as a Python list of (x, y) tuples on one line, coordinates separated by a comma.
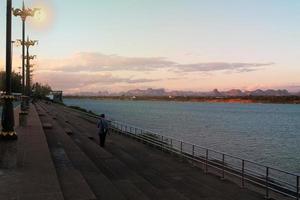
[(35, 177)]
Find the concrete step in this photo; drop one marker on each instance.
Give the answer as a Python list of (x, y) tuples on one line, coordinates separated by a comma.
[(113, 169), (102, 187), (127, 181), (116, 170), (168, 171), (69, 177)]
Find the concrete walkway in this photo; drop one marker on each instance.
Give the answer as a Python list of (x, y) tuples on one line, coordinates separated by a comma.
[(35, 176)]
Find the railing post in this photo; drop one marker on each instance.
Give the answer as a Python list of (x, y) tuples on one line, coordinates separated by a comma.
[(298, 187), (135, 131), (193, 152), (206, 161), (243, 173), (171, 142), (267, 182), (162, 142), (223, 166), (180, 146)]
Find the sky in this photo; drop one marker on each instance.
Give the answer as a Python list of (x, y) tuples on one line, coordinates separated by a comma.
[(198, 45)]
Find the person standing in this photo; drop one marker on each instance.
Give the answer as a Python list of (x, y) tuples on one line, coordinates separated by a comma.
[(102, 129)]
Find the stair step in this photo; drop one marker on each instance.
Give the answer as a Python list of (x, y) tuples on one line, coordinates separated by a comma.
[(108, 164), (47, 126), (130, 190), (73, 184), (123, 178), (117, 171), (101, 186)]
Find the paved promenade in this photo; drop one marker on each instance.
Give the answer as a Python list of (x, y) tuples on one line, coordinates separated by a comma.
[(59, 158), (35, 176)]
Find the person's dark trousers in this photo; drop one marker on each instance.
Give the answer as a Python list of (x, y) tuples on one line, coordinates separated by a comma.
[(102, 139)]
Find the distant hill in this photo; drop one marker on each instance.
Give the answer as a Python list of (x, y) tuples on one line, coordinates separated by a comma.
[(150, 92)]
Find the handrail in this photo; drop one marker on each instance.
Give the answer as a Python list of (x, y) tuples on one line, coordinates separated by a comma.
[(237, 167), (270, 183)]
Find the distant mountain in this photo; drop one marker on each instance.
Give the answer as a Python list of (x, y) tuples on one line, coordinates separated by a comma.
[(268, 93), (215, 93), (235, 93), (147, 92)]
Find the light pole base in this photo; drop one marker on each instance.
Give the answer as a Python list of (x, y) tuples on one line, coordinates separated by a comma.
[(24, 103), (23, 119), (8, 152)]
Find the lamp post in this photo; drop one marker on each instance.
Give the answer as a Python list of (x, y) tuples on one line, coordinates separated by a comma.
[(8, 112), (31, 75), (24, 13), (28, 43), (28, 72)]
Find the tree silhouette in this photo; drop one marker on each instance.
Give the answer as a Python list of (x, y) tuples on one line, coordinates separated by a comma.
[(40, 91), (15, 81)]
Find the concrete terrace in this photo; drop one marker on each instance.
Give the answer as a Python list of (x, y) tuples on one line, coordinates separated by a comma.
[(59, 158)]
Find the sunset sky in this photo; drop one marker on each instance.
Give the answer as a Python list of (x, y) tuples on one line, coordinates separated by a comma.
[(117, 45)]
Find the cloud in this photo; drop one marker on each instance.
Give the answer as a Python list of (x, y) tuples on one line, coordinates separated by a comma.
[(92, 71), (67, 81), (97, 62), (222, 66)]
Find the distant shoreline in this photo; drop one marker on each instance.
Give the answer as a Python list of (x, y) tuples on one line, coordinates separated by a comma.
[(246, 99)]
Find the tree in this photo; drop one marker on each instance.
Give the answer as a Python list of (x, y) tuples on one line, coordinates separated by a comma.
[(40, 91), (15, 82)]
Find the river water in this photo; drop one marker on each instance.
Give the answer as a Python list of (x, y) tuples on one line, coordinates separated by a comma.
[(265, 133)]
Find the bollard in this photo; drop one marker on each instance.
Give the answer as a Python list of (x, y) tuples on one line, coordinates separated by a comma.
[(8, 154), (23, 119)]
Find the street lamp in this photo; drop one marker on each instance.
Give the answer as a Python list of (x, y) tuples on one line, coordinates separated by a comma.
[(28, 43), (28, 72), (24, 13), (8, 112), (31, 76)]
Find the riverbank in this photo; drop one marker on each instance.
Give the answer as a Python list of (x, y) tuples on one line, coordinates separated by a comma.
[(245, 100)]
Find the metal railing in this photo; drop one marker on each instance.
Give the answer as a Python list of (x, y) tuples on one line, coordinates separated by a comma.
[(247, 172), (268, 178)]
